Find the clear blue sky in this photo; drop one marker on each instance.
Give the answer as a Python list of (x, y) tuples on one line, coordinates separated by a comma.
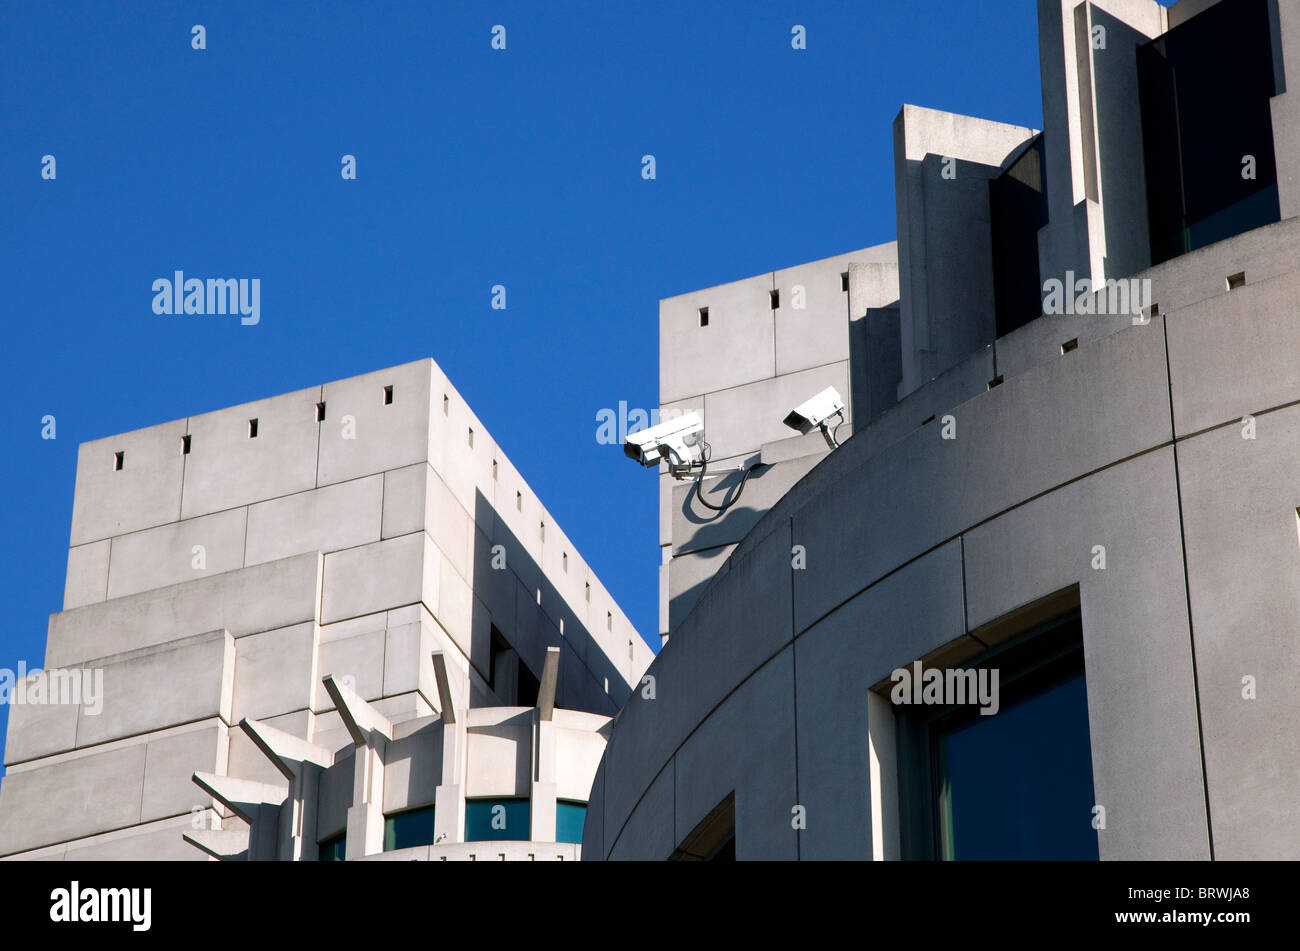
[(475, 167)]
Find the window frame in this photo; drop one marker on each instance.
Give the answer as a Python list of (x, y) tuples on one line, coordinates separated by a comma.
[(1046, 654)]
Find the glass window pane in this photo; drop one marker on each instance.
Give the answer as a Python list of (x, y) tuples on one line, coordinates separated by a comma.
[(1204, 91), (492, 819), (405, 830), (1018, 784), (333, 850), (569, 817)]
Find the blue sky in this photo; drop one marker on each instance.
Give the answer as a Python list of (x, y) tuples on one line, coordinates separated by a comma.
[(475, 167)]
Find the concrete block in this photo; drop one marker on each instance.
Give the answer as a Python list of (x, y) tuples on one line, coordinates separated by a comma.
[(1239, 503), (578, 755), (455, 604), (903, 618), (1141, 706), (246, 761), (329, 519), (87, 579), (649, 828), (156, 687), (72, 798), (689, 574), (695, 528), (227, 467), (405, 499), (176, 553), (408, 644), (360, 657), (384, 435), (373, 577), (1255, 326), (880, 516), (499, 757), (275, 672), (161, 841), (335, 797), (696, 669), (812, 321), (710, 765), (736, 347), (170, 764), (412, 771), (145, 492), (39, 729), (261, 598)]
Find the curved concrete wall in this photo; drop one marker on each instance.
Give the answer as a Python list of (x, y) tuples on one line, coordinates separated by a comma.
[(917, 544)]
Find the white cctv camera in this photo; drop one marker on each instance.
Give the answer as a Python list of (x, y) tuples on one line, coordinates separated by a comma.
[(816, 411), (675, 441)]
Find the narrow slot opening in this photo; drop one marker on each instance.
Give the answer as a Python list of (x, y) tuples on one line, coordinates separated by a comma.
[(1236, 280), (320, 412), (471, 437), (119, 460), (252, 429), (776, 299), (704, 316), (185, 445), (1071, 344), (388, 395), (446, 404), (844, 281)]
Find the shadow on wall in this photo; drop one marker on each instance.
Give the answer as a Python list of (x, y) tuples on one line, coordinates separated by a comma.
[(514, 595), (721, 528), (682, 602)]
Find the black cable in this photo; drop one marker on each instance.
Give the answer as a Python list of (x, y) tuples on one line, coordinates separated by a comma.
[(832, 432), (704, 468)]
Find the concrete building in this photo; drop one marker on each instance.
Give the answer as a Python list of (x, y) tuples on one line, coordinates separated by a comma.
[(344, 616), (1075, 413)]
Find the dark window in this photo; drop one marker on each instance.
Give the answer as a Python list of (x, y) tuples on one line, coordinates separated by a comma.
[(526, 689), (501, 673), (1204, 89), (334, 849), (844, 280), (252, 429), (119, 460), (405, 830), (776, 299), (320, 412), (1017, 210), (704, 316), (1016, 784), (185, 445), (388, 395), (714, 837), (569, 817), (488, 820)]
